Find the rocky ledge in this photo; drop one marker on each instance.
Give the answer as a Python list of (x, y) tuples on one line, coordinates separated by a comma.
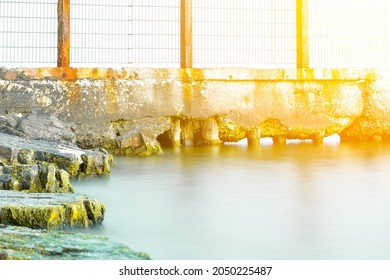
[(54, 245), (38, 155), (76, 161), (40, 210), (38, 178)]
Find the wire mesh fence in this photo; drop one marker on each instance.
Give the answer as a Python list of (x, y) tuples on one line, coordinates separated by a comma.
[(28, 32), (101, 32), (156, 32), (244, 33), (237, 33)]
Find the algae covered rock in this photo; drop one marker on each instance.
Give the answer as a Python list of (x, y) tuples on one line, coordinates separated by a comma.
[(76, 161), (35, 178), (138, 143), (35, 244), (230, 131), (44, 210), (138, 136)]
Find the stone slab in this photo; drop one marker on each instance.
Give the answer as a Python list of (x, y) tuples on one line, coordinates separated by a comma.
[(35, 178), (44, 210), (76, 161), (32, 244)]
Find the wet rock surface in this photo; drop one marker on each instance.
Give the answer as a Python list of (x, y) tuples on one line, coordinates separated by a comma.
[(230, 131), (138, 136), (38, 155), (35, 178), (43, 210), (55, 245), (76, 161)]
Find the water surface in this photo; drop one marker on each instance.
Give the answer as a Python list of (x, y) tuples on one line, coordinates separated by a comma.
[(299, 201)]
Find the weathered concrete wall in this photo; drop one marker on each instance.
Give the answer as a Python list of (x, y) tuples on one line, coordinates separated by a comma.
[(289, 103)]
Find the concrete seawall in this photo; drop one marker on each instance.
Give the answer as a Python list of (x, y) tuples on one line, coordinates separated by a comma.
[(211, 105)]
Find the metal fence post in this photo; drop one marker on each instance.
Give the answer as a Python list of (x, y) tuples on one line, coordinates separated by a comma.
[(186, 33), (302, 22), (63, 46)]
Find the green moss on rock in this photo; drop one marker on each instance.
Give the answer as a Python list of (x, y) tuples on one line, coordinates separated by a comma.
[(230, 131), (22, 243), (77, 162), (44, 178), (37, 210)]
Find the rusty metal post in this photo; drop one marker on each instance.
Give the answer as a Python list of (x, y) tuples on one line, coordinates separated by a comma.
[(186, 33), (302, 14), (63, 46)]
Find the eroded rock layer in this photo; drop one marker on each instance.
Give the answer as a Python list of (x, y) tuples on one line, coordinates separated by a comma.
[(43, 210), (58, 245), (41, 178), (76, 161)]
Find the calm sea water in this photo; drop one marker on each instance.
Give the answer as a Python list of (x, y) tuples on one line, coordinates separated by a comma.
[(299, 201)]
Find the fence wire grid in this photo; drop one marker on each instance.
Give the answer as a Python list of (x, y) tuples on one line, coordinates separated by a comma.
[(101, 32), (247, 33), (156, 33), (28, 32), (236, 33)]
